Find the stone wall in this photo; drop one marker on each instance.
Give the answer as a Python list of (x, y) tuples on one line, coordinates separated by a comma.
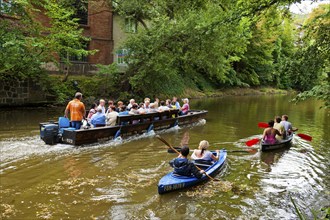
[(21, 93)]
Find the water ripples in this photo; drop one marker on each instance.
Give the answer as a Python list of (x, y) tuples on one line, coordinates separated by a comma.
[(15, 149), (295, 173)]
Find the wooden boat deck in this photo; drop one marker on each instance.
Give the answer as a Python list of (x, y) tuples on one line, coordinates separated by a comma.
[(129, 125)]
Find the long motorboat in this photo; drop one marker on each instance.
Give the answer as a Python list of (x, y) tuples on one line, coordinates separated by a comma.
[(278, 144), (128, 125), (172, 182)]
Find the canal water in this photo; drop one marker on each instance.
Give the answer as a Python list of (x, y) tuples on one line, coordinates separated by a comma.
[(118, 179)]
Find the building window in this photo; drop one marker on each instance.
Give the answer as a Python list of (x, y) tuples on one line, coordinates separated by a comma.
[(81, 8), (121, 56), (130, 25), (75, 58)]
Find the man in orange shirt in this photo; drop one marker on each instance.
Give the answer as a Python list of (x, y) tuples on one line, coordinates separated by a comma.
[(77, 111)]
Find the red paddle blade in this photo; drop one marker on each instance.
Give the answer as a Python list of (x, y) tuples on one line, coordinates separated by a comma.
[(252, 142), (305, 137), (263, 125)]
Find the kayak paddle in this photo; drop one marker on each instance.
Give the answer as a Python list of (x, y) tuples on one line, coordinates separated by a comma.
[(179, 149), (305, 137), (252, 142), (263, 125), (170, 146)]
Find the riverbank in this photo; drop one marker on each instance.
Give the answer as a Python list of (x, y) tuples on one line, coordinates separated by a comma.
[(189, 93), (252, 91)]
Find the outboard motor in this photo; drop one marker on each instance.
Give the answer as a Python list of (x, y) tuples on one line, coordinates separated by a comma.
[(49, 133)]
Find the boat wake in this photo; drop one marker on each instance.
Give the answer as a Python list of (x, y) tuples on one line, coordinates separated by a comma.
[(15, 149), (241, 143)]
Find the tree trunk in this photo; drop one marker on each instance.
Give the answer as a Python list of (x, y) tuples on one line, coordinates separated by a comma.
[(66, 76)]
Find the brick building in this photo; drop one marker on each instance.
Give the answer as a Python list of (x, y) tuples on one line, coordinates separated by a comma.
[(97, 22), (106, 30)]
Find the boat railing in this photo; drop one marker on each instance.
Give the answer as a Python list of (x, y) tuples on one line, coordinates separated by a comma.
[(148, 117)]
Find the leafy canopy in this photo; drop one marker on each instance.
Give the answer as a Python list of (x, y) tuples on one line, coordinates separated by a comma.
[(27, 43)]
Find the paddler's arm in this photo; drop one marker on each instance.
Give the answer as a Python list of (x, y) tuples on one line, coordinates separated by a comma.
[(197, 173), (215, 158)]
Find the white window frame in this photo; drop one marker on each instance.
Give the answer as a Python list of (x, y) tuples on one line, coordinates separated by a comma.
[(130, 25), (121, 55)]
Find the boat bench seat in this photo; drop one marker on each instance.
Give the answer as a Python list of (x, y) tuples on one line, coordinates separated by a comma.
[(134, 119), (64, 124), (178, 175), (202, 163)]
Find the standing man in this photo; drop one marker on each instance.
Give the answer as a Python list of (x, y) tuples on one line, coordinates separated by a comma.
[(77, 111)]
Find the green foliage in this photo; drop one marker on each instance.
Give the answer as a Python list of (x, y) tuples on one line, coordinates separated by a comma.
[(227, 43), (184, 42), (323, 213), (298, 211), (62, 91), (195, 44), (321, 92), (26, 43), (311, 67), (95, 86), (113, 83), (65, 35), (17, 57), (270, 47), (326, 211)]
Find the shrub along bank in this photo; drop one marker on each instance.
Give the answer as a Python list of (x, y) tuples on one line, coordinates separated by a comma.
[(49, 89)]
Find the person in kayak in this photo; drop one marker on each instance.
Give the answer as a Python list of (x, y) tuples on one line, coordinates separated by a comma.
[(182, 166), (269, 133), (287, 125), (203, 154), (278, 126)]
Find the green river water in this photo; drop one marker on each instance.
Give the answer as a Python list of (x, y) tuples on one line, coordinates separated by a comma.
[(118, 179)]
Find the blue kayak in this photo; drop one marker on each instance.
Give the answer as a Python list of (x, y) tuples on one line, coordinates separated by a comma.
[(171, 182)]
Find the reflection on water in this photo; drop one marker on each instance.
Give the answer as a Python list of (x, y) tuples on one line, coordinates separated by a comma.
[(118, 179)]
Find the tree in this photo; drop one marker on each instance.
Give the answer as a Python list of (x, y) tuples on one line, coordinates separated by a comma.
[(27, 43), (205, 44), (182, 46), (315, 50)]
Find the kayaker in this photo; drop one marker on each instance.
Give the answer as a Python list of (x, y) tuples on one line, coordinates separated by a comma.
[(287, 125), (270, 133), (203, 154), (182, 166), (278, 126)]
